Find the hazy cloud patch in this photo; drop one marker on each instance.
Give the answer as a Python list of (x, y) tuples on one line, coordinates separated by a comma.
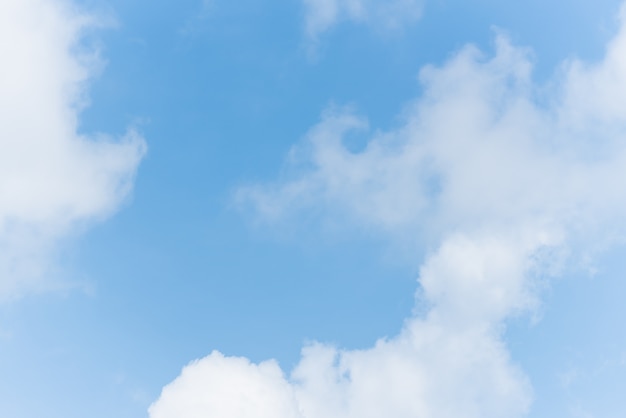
[(322, 15), (53, 180)]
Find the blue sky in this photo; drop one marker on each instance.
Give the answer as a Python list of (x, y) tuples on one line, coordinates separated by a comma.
[(339, 206)]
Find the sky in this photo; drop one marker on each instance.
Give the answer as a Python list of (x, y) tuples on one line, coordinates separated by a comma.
[(312, 209)]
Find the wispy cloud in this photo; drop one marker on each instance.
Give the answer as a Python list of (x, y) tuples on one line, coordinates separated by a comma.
[(508, 181), (199, 19), (322, 15), (52, 179)]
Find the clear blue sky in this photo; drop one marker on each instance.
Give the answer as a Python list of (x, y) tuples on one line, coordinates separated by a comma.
[(140, 283)]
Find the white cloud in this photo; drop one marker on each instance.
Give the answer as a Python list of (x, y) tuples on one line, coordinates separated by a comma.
[(219, 386), (448, 364), (504, 178), (321, 15), (51, 177)]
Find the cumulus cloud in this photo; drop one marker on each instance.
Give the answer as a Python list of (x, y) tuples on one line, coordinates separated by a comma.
[(219, 386), (507, 180), (321, 15), (449, 364), (52, 178)]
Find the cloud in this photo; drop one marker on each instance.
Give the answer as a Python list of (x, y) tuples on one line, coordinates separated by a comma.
[(198, 20), (509, 181), (321, 15), (53, 179), (228, 387), (448, 364)]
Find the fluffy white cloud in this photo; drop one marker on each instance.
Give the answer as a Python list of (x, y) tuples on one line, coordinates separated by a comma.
[(321, 15), (52, 178), (219, 386), (504, 178), (449, 364)]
